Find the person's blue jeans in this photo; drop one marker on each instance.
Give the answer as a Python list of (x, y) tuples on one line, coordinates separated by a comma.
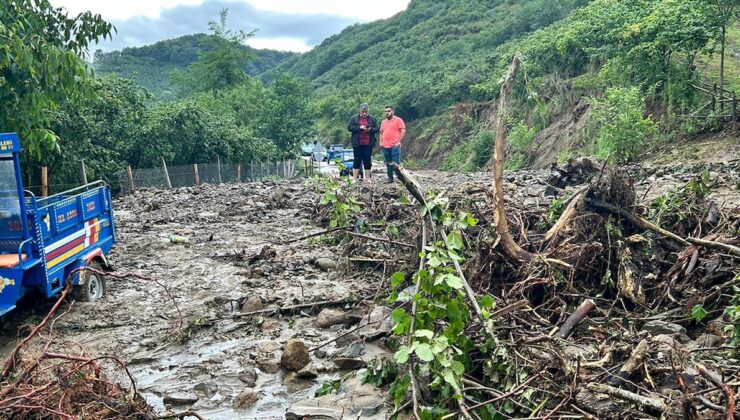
[(391, 154)]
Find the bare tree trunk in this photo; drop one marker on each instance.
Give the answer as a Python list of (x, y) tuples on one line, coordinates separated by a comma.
[(722, 62), (499, 213)]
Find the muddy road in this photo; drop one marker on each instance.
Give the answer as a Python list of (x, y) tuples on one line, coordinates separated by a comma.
[(196, 339)]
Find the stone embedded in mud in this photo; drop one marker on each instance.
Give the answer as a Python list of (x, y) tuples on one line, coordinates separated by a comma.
[(180, 398), (206, 388), (295, 356), (252, 304), (323, 408), (349, 363), (708, 340), (657, 327), (268, 362), (308, 372), (245, 400), (379, 323), (326, 264), (249, 377), (328, 317)]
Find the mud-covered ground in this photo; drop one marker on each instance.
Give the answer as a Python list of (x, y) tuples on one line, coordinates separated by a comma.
[(239, 258)]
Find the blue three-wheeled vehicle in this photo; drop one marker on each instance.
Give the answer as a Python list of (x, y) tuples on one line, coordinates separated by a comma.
[(43, 240)]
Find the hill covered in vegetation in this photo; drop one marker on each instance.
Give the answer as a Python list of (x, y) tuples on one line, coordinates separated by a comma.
[(600, 77), (635, 63), (152, 66)]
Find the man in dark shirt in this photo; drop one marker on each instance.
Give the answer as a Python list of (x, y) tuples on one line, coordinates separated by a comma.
[(364, 128)]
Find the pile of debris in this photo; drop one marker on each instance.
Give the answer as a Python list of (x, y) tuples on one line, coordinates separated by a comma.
[(615, 308), (44, 378)]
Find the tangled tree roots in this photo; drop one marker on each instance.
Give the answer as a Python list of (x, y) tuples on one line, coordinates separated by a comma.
[(602, 293), (41, 383)]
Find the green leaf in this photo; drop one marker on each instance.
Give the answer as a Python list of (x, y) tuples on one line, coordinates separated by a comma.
[(402, 355), (454, 239), (453, 281), (698, 313), (397, 278), (458, 367), (424, 334), (397, 315), (449, 377), (424, 352), (486, 302)]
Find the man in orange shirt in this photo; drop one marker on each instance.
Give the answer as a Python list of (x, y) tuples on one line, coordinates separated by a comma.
[(392, 130)]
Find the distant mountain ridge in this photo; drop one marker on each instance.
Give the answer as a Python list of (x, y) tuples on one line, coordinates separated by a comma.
[(151, 65)]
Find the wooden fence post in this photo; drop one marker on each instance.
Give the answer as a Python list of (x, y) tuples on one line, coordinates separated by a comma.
[(251, 171), (734, 111), (277, 169), (166, 174), (44, 181), (130, 178), (197, 175), (285, 174), (83, 172), (238, 173), (218, 163)]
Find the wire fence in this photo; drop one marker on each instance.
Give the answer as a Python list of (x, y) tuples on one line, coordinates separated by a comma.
[(208, 173)]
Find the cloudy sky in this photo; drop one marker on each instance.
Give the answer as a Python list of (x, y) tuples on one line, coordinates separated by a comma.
[(291, 25)]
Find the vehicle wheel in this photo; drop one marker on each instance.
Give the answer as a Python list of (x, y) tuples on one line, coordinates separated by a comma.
[(92, 285)]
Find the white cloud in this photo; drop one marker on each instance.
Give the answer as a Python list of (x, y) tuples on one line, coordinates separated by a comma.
[(121, 10), (280, 44), (362, 10)]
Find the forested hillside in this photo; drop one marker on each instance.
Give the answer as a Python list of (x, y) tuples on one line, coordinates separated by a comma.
[(421, 60), (639, 57), (152, 66), (601, 77)]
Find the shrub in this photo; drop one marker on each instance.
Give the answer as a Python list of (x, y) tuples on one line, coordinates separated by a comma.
[(617, 125)]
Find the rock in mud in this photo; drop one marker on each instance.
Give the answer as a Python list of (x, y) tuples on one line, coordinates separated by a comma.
[(180, 398), (323, 408), (309, 372), (657, 327), (379, 323), (367, 401), (707, 340), (326, 264), (328, 317), (252, 304), (268, 362), (295, 356), (349, 363), (249, 377), (245, 400), (206, 388)]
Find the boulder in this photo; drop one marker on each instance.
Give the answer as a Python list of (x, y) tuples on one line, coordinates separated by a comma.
[(295, 356)]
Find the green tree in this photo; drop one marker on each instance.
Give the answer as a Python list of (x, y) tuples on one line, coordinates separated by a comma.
[(287, 119), (40, 66), (221, 65), (727, 13), (617, 124), (103, 130)]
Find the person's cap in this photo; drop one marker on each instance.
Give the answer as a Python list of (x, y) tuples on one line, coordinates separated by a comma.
[(364, 107)]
